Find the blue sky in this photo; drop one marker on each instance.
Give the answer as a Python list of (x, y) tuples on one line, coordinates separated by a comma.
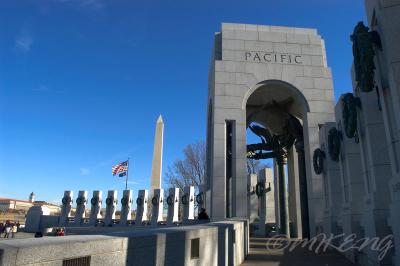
[(82, 82)]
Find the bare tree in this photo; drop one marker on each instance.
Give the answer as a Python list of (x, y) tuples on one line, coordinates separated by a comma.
[(191, 170), (254, 166)]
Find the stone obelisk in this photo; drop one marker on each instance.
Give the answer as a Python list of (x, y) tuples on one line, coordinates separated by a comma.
[(155, 181)]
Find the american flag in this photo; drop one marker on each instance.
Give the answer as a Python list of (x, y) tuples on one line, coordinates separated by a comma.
[(120, 168)]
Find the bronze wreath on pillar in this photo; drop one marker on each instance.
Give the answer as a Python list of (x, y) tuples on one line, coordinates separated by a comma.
[(154, 200), (79, 201), (349, 114), (170, 200), (185, 199), (94, 201), (334, 138), (199, 198), (363, 53), (124, 201), (109, 201), (318, 161), (66, 200), (139, 201)]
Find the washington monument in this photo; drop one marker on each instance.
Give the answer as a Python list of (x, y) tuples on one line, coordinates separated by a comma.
[(155, 181)]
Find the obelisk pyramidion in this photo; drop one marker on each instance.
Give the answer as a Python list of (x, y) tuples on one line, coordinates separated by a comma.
[(155, 181)]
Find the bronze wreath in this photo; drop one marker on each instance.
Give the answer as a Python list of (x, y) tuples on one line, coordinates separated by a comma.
[(139, 201), (170, 200), (318, 161), (80, 200), (109, 201), (199, 198), (66, 200), (94, 201), (154, 200), (124, 201), (185, 199)]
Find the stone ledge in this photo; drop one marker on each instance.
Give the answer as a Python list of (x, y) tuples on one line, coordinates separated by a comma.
[(268, 28)]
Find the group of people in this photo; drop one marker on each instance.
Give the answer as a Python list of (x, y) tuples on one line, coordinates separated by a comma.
[(9, 229), (60, 232)]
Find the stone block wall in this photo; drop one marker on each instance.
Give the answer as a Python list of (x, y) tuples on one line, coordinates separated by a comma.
[(211, 244)]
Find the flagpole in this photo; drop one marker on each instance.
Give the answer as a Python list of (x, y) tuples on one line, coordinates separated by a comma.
[(127, 174)]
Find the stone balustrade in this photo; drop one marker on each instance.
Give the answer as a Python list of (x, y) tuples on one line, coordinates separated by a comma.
[(173, 202)]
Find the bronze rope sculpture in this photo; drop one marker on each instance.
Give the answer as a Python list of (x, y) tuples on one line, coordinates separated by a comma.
[(272, 145)]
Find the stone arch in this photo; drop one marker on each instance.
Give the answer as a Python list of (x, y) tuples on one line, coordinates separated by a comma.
[(277, 83), (259, 106)]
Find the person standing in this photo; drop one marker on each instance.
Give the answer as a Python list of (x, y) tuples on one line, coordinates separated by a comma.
[(14, 230), (2, 229), (203, 215), (7, 230)]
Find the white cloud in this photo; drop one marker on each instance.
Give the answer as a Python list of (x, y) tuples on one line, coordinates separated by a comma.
[(84, 171), (24, 41)]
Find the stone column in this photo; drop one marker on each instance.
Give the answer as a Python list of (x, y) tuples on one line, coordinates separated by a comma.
[(262, 209), (111, 207), (252, 198), (157, 203), (239, 167), (81, 202), (276, 194), (141, 207), (188, 204), (173, 206), (377, 173), (66, 208), (267, 175), (294, 196), (126, 208), (283, 212), (383, 17), (332, 185), (201, 198), (303, 192), (96, 202), (352, 184)]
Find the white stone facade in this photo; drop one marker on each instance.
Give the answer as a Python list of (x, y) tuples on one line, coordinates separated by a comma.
[(287, 62), (369, 163), (383, 17)]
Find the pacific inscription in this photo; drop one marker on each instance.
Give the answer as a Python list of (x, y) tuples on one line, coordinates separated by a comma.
[(265, 57)]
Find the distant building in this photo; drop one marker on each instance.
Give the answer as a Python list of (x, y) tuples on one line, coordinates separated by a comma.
[(15, 209), (7, 205)]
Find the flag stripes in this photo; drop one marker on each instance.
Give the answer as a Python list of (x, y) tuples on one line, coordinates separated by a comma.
[(120, 168)]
